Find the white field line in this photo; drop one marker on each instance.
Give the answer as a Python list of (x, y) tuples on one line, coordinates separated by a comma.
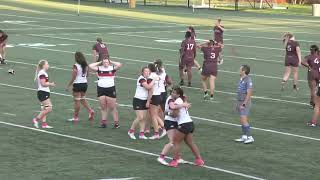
[(34, 25), (168, 64), (195, 117), (123, 148), (129, 178), (217, 91), (9, 114)]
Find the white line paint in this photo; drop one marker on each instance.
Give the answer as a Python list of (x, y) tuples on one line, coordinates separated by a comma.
[(9, 114), (195, 117), (120, 178), (217, 91), (123, 148)]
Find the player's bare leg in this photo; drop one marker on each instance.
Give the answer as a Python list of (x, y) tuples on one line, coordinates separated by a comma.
[(295, 78), (212, 80), (112, 106), (77, 98), (104, 112), (204, 86), (313, 93), (181, 74), (316, 112), (287, 72), (195, 150), (189, 73)]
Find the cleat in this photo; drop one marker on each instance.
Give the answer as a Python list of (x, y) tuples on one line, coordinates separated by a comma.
[(116, 126), (162, 161), (103, 126), (198, 162), (310, 124), (242, 139), (46, 126), (73, 119), (91, 116), (142, 137), (164, 133), (154, 137), (200, 70), (181, 161), (174, 163), (249, 140), (131, 135), (181, 83), (220, 62), (35, 123), (189, 84), (211, 99), (206, 97)]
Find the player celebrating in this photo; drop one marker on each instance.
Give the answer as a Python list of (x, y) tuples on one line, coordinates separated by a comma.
[(292, 60), (106, 71), (100, 49), (3, 41), (171, 124), (211, 51), (184, 132), (187, 56), (311, 62), (141, 102), (80, 85), (218, 36), (244, 94), (43, 94)]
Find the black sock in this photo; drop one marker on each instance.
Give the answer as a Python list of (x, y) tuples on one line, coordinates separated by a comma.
[(205, 92), (211, 95), (294, 86)]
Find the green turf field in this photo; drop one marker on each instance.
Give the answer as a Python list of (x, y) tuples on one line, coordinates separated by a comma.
[(285, 148)]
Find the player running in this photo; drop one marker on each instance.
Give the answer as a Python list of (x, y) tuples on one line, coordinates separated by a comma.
[(211, 51), (292, 60), (79, 81), (184, 132), (100, 49), (244, 93), (171, 125), (106, 90), (141, 102), (311, 62), (43, 94), (218, 30), (3, 41), (187, 56)]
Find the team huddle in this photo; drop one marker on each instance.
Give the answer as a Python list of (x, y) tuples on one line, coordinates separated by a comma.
[(161, 106)]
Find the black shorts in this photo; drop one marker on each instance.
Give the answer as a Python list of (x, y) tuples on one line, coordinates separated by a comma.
[(80, 87), (110, 91), (170, 125), (139, 104), (43, 95), (186, 128), (156, 100), (163, 98)]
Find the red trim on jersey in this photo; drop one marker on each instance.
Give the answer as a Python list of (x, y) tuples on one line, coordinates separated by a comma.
[(149, 81), (141, 81)]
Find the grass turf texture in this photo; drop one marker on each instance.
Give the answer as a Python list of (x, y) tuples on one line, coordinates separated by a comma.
[(253, 40)]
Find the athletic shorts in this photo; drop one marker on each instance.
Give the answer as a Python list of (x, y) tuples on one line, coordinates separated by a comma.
[(110, 91), (292, 61), (163, 98), (156, 100), (313, 75), (245, 111), (80, 87), (43, 95), (209, 69), (186, 63), (170, 125), (139, 104), (186, 128)]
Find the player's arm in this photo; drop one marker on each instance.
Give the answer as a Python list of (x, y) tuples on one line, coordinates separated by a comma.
[(175, 106), (44, 82), (150, 93), (147, 86), (182, 49), (305, 63), (248, 97), (299, 54), (73, 76), (117, 65), (94, 55), (204, 44), (195, 50), (222, 29), (94, 66)]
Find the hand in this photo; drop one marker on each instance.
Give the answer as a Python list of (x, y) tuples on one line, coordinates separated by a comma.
[(52, 84), (241, 107), (148, 104), (186, 105)]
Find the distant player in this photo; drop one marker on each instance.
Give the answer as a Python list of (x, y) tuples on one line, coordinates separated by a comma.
[(187, 56), (184, 132), (211, 51), (171, 124), (100, 49), (43, 94), (292, 60), (79, 82), (312, 63), (141, 102), (218, 30), (193, 36), (3, 41), (106, 90), (244, 93)]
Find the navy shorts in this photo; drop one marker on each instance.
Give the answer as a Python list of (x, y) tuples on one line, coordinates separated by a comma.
[(80, 87), (139, 104), (170, 125), (43, 95), (110, 91), (186, 128)]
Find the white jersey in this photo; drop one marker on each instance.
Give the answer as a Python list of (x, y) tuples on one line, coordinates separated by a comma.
[(156, 88), (106, 76), (168, 110), (80, 78), (141, 92), (183, 113), (162, 81), (42, 74)]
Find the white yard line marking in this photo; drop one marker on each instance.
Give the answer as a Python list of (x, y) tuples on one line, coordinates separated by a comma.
[(123, 148), (222, 92), (120, 178), (9, 114), (195, 117)]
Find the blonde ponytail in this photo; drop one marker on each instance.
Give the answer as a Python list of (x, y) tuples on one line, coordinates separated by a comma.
[(40, 65)]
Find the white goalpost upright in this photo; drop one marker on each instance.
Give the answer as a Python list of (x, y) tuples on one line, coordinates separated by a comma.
[(78, 7)]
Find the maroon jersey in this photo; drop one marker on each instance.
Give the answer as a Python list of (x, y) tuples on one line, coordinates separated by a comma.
[(188, 50), (313, 61), (102, 50), (211, 54), (291, 49), (218, 34)]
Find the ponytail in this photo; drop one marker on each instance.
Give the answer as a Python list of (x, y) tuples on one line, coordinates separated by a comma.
[(39, 67)]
